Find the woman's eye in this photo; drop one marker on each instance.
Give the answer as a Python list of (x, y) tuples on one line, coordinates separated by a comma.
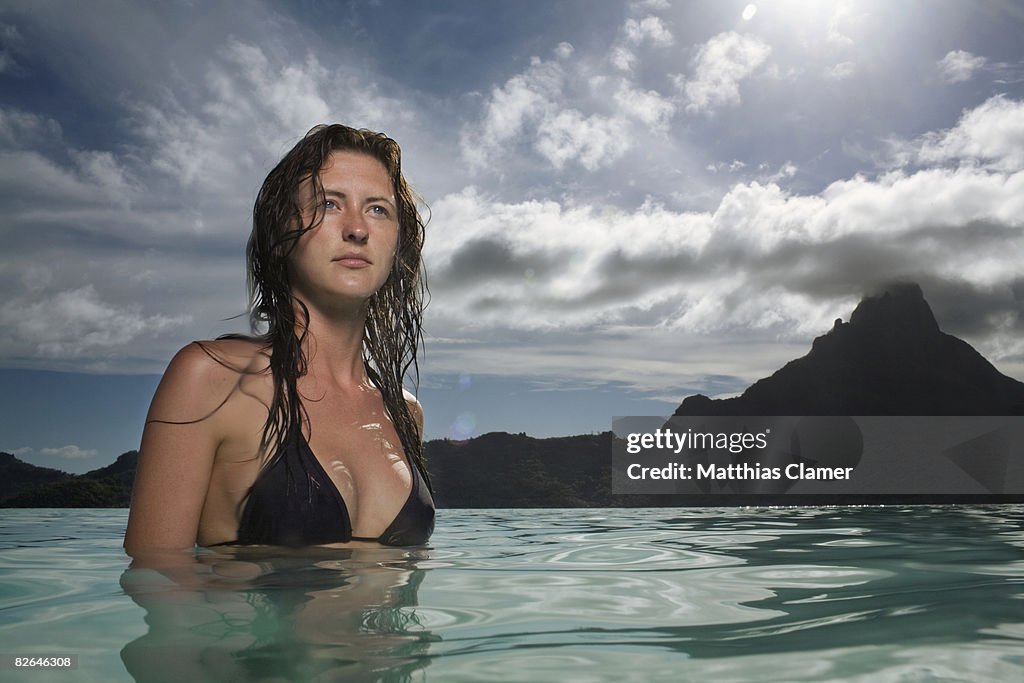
[(378, 210), (329, 204)]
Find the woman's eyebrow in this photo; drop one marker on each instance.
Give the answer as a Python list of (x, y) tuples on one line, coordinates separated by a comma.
[(369, 200)]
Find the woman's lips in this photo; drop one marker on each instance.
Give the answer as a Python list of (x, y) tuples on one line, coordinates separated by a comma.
[(353, 261)]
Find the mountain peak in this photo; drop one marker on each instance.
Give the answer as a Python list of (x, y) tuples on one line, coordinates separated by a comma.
[(898, 307), (890, 359)]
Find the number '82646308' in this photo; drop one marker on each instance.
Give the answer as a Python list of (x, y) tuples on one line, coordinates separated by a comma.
[(47, 662)]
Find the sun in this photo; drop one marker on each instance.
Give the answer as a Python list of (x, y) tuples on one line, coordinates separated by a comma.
[(748, 12)]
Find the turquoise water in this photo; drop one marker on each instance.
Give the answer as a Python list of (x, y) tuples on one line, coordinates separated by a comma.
[(815, 594)]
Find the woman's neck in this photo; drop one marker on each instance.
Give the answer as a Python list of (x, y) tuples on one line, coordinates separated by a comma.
[(334, 346)]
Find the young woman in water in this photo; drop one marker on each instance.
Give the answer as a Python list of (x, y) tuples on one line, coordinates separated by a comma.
[(302, 435)]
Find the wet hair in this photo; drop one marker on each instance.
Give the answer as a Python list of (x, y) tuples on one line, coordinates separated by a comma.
[(392, 334)]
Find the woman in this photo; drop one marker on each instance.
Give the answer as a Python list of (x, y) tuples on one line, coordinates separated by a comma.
[(303, 435)]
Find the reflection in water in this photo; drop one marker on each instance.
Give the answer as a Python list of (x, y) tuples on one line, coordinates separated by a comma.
[(273, 614)]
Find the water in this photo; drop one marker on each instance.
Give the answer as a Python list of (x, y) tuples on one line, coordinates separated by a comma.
[(797, 594)]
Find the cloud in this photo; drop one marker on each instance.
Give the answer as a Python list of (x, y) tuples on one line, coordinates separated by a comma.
[(650, 30), (572, 109), (567, 112), (10, 43), (990, 135), (70, 452), (21, 129), (553, 258), (526, 99), (633, 35), (593, 140), (647, 106), (841, 71), (247, 109), (839, 24), (721, 64), (731, 167), (113, 254), (764, 265), (622, 58), (71, 323), (652, 5), (958, 66)]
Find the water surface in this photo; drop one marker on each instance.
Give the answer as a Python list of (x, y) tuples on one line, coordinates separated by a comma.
[(817, 594)]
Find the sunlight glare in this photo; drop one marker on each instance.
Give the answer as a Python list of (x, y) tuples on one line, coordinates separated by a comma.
[(748, 12)]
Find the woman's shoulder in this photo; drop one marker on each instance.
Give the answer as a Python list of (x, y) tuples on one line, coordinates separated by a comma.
[(204, 372), (214, 358)]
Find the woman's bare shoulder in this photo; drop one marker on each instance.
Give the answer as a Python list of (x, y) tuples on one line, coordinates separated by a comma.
[(202, 371), (212, 358)]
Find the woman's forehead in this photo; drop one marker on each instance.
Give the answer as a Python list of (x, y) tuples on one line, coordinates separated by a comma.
[(351, 171), (342, 163)]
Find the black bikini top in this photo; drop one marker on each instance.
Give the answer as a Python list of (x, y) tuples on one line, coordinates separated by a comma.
[(294, 503)]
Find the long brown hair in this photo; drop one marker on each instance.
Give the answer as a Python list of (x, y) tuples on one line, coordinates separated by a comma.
[(392, 334)]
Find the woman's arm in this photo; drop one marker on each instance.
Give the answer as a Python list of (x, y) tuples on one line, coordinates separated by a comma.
[(179, 443)]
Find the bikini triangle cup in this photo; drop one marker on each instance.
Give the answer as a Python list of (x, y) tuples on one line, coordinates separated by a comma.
[(293, 502)]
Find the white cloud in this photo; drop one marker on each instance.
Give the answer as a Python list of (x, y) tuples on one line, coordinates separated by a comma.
[(536, 109), (106, 172), (647, 106), (161, 215), (721, 64), (248, 109), (70, 452), (768, 265), (842, 20), (572, 109), (652, 5), (71, 323), (633, 35), (731, 167), (592, 140), (990, 135), (959, 65), (622, 58), (841, 71), (649, 29), (523, 99), (765, 263)]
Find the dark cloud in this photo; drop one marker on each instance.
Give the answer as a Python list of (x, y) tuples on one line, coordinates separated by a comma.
[(485, 260), (965, 309)]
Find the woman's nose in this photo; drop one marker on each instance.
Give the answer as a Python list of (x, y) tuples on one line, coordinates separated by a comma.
[(354, 228)]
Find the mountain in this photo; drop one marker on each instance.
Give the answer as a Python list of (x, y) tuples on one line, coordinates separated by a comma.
[(27, 485), (890, 359), (515, 470), (17, 476)]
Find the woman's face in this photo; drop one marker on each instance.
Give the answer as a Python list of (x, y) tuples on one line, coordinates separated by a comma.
[(345, 259)]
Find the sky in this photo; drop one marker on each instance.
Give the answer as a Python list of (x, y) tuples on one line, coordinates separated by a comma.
[(629, 202)]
